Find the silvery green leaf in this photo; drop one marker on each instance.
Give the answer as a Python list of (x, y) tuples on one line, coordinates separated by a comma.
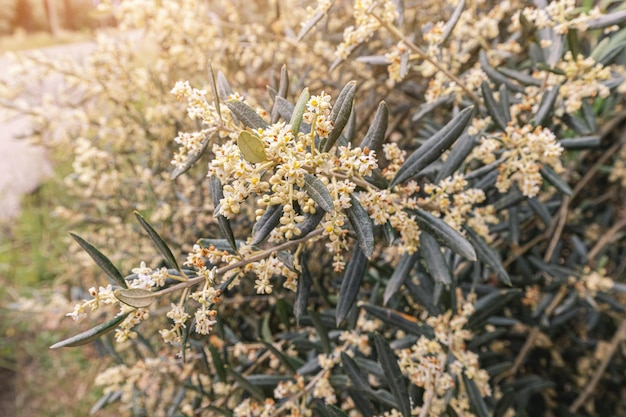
[(214, 90), (303, 290), (135, 297), (610, 47), (350, 284), (444, 234), (540, 210), (373, 60), (454, 19), (91, 334), (223, 87), (583, 142), (433, 147), (393, 375), (520, 77), (433, 258), (546, 106), (243, 383), (298, 111), (340, 114), (375, 135), (555, 179), (335, 411), (268, 222), (217, 194), (399, 320), (283, 90), (322, 331), (497, 111), (487, 255), (476, 400), (102, 261), (318, 192), (310, 223), (606, 20), (497, 76), (489, 304), (158, 242), (400, 272), (350, 129), (480, 172), (310, 24), (426, 108), (457, 156), (359, 380), (246, 114), (284, 107), (362, 225), (195, 157)]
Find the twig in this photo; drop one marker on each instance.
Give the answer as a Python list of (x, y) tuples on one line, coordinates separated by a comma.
[(523, 249), (416, 49), (620, 335), (558, 229), (606, 238)]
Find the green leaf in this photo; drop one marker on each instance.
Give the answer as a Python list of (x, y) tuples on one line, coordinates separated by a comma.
[(340, 114), (454, 19), (362, 225), (241, 380), (555, 179), (285, 360), (497, 112), (583, 142), (400, 273), (433, 147), (444, 234), (457, 156), (318, 192), (399, 320), (488, 255), (246, 114), (393, 374), (217, 194), (496, 75), (489, 304), (546, 106), (91, 334), (298, 111), (606, 20), (284, 107), (214, 90), (268, 222), (476, 401), (158, 242), (135, 297), (435, 262), (251, 147), (102, 261), (310, 223), (322, 331), (375, 135), (218, 363), (193, 158), (223, 87), (283, 89), (350, 285), (334, 411), (303, 291), (359, 381), (310, 24)]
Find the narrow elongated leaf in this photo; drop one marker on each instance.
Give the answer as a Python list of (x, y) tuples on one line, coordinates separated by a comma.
[(400, 272), (546, 106), (433, 147), (310, 223), (400, 320), (496, 75), (218, 363), (361, 403), (268, 222), (303, 291), (457, 156), (251, 147), (136, 297), (334, 411), (158, 242), (217, 194), (102, 261), (193, 158), (451, 23), (223, 87), (283, 89), (91, 334), (606, 20), (555, 179), (489, 304), (322, 331), (246, 114), (350, 285), (298, 111), (241, 380), (393, 374), (427, 108), (475, 399), (310, 24), (488, 255), (359, 381), (583, 142), (284, 107), (444, 234), (362, 225), (350, 129), (435, 262), (318, 192), (498, 112), (375, 135), (214, 90), (340, 114), (520, 76)]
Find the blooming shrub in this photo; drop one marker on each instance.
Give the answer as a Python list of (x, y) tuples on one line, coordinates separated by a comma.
[(434, 237)]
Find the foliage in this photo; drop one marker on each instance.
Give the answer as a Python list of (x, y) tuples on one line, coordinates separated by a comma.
[(441, 238)]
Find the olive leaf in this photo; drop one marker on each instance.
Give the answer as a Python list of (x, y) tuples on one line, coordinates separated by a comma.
[(158, 242), (246, 114), (433, 147), (362, 225), (340, 114), (457, 156), (444, 234), (498, 112), (556, 180), (298, 111), (393, 374), (433, 258), (204, 144), (91, 334), (268, 222), (251, 147), (400, 272), (318, 192), (350, 284), (135, 297), (102, 261), (375, 135), (217, 193), (283, 89), (488, 255)]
